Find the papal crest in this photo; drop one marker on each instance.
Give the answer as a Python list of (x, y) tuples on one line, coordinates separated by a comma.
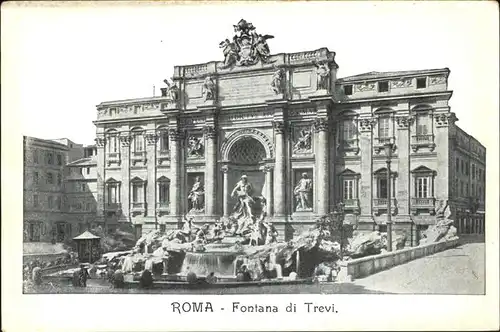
[(247, 47)]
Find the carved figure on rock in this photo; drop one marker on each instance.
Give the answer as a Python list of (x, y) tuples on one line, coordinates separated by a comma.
[(303, 142), (230, 50), (208, 88), (261, 47), (277, 81), (196, 195), (323, 72), (302, 193), (195, 147)]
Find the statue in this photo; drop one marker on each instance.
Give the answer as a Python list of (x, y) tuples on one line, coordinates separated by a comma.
[(277, 81), (208, 89), (302, 193), (323, 76), (243, 190), (196, 195), (195, 147), (172, 91), (303, 143), (247, 47)]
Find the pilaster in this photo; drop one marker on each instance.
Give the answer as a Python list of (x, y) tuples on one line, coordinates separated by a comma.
[(279, 179), (268, 170), (101, 175), (225, 193), (442, 121), (175, 138), (151, 139), (125, 140), (210, 171), (322, 167), (403, 192), (365, 127)]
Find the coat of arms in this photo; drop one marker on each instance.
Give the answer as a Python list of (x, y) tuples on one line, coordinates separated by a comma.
[(247, 47)]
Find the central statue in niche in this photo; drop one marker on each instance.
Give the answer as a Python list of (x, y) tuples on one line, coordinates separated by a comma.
[(243, 191)]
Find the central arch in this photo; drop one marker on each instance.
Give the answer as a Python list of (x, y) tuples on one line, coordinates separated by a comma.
[(243, 134)]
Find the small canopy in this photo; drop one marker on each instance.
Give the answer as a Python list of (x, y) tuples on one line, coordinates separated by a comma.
[(86, 236)]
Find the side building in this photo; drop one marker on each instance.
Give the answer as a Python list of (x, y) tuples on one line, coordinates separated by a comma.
[(44, 162)]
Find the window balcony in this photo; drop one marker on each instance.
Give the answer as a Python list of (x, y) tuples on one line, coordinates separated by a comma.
[(137, 157), (113, 158), (380, 142), (163, 156), (351, 204), (138, 208), (380, 205), (419, 141), (162, 208), (349, 145), (116, 207), (423, 204)]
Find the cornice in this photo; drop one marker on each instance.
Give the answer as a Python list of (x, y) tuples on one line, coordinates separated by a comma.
[(446, 94)]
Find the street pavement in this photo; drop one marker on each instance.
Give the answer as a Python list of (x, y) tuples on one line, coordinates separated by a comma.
[(459, 270)]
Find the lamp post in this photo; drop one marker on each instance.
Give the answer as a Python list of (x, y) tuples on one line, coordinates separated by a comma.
[(388, 152)]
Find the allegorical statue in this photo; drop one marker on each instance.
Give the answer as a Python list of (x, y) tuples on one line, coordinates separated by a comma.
[(243, 191), (302, 192), (303, 142), (172, 91), (196, 195), (247, 46), (323, 72), (208, 88), (277, 81), (195, 147)]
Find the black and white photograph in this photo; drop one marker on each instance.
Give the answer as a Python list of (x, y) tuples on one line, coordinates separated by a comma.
[(317, 150)]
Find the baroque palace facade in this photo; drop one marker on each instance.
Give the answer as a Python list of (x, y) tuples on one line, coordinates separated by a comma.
[(303, 139)]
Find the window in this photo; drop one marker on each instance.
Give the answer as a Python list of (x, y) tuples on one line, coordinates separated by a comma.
[(79, 206), (35, 200), (164, 141), (34, 232), (163, 191), (348, 90), (35, 177), (382, 188), (422, 124), (473, 189), (473, 171), (138, 142), (348, 191), (383, 86), (384, 127), (480, 177), (50, 202), (467, 168), (35, 156), (113, 143), (112, 193), (349, 130), (457, 165), (58, 202), (423, 187), (59, 160), (50, 158), (50, 178), (137, 192), (421, 83), (83, 187), (461, 188), (463, 166), (466, 189), (88, 207), (59, 179), (88, 170)]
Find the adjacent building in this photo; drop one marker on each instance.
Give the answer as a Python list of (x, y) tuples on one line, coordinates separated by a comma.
[(52, 193)]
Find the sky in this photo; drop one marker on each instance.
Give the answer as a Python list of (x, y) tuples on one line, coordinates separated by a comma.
[(60, 62)]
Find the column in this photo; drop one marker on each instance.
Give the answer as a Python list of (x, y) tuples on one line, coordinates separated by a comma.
[(175, 183), (441, 132), (321, 166), (225, 194), (365, 126), (210, 171), (279, 178), (151, 139), (125, 140), (269, 189)]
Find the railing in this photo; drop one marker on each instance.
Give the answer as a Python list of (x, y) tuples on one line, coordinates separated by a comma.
[(422, 139), (382, 202), (138, 206), (423, 202), (351, 203), (384, 140), (113, 155), (113, 206), (163, 207)]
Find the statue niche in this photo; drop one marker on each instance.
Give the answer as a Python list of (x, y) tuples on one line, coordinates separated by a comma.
[(303, 193), (196, 196)]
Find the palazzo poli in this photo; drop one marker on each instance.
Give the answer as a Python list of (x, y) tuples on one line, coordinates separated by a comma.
[(282, 137)]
